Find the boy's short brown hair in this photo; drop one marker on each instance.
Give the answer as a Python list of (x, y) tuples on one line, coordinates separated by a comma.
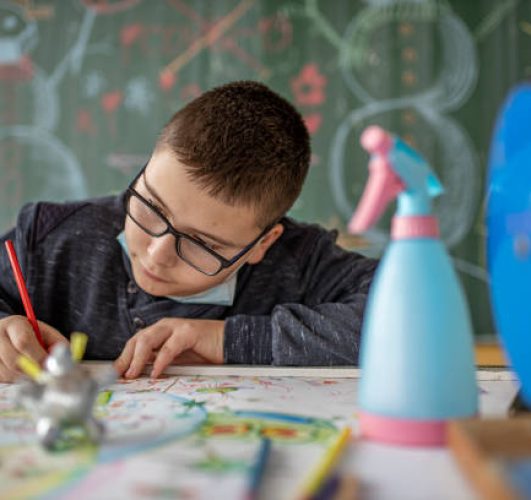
[(245, 144)]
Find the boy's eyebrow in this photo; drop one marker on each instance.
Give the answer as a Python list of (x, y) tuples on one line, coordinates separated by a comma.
[(216, 239)]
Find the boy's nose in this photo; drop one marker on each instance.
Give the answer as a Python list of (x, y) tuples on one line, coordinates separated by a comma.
[(162, 252)]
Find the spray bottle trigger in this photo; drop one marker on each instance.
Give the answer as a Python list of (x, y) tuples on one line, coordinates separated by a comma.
[(434, 186), (382, 187)]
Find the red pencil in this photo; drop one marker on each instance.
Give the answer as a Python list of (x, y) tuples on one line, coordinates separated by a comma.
[(23, 291)]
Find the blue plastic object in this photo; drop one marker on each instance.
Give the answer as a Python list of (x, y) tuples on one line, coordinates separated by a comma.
[(417, 354), (509, 231)]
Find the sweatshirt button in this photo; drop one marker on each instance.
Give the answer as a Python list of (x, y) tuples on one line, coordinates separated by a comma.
[(131, 287), (138, 322)]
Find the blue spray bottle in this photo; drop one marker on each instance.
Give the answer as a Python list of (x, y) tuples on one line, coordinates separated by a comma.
[(417, 355)]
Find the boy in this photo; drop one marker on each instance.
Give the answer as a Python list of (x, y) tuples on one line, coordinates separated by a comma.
[(195, 262)]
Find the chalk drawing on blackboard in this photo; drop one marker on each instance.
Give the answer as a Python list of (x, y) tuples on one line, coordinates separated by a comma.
[(367, 60), (138, 95), (29, 153), (19, 34), (441, 139), (107, 7), (211, 37), (35, 163)]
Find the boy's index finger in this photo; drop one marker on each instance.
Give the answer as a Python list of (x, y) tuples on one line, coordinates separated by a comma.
[(172, 348), (24, 341), (50, 335)]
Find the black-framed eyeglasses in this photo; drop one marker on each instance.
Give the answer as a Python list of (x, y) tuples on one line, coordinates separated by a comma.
[(191, 250)]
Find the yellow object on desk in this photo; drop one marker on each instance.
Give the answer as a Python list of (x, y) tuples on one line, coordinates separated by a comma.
[(29, 367), (317, 476), (78, 344)]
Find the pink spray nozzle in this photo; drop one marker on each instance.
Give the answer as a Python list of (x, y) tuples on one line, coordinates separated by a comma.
[(383, 184), (376, 140)]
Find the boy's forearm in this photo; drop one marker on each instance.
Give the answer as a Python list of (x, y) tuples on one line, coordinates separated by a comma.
[(248, 340), (297, 335)]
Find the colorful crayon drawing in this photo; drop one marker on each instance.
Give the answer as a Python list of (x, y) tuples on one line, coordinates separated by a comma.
[(184, 437), (191, 437)]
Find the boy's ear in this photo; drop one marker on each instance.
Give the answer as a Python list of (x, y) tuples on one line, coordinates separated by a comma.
[(260, 249)]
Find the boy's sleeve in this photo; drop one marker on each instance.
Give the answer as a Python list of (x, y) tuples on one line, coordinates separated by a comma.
[(324, 329), (9, 297), (10, 301)]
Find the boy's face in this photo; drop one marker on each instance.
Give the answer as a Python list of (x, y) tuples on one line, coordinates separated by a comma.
[(224, 228)]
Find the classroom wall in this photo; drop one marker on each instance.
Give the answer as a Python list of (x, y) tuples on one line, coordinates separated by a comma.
[(85, 86)]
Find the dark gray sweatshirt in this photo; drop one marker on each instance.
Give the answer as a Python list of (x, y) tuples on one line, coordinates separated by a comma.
[(301, 305)]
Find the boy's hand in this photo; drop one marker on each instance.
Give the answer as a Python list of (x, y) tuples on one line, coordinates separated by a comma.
[(16, 338), (172, 340)]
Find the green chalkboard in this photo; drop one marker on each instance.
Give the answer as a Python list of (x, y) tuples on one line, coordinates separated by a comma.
[(85, 86)]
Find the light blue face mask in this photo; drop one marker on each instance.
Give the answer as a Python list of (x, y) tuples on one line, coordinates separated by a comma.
[(222, 294)]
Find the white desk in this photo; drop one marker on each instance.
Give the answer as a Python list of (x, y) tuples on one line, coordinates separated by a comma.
[(384, 472), (395, 472)]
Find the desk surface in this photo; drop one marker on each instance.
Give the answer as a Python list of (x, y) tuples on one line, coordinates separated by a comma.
[(490, 353), (291, 404)]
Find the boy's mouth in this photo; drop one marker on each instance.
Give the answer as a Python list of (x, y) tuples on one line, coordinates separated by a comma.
[(151, 275)]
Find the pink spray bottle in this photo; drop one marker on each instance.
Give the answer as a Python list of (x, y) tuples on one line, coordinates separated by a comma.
[(417, 356)]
